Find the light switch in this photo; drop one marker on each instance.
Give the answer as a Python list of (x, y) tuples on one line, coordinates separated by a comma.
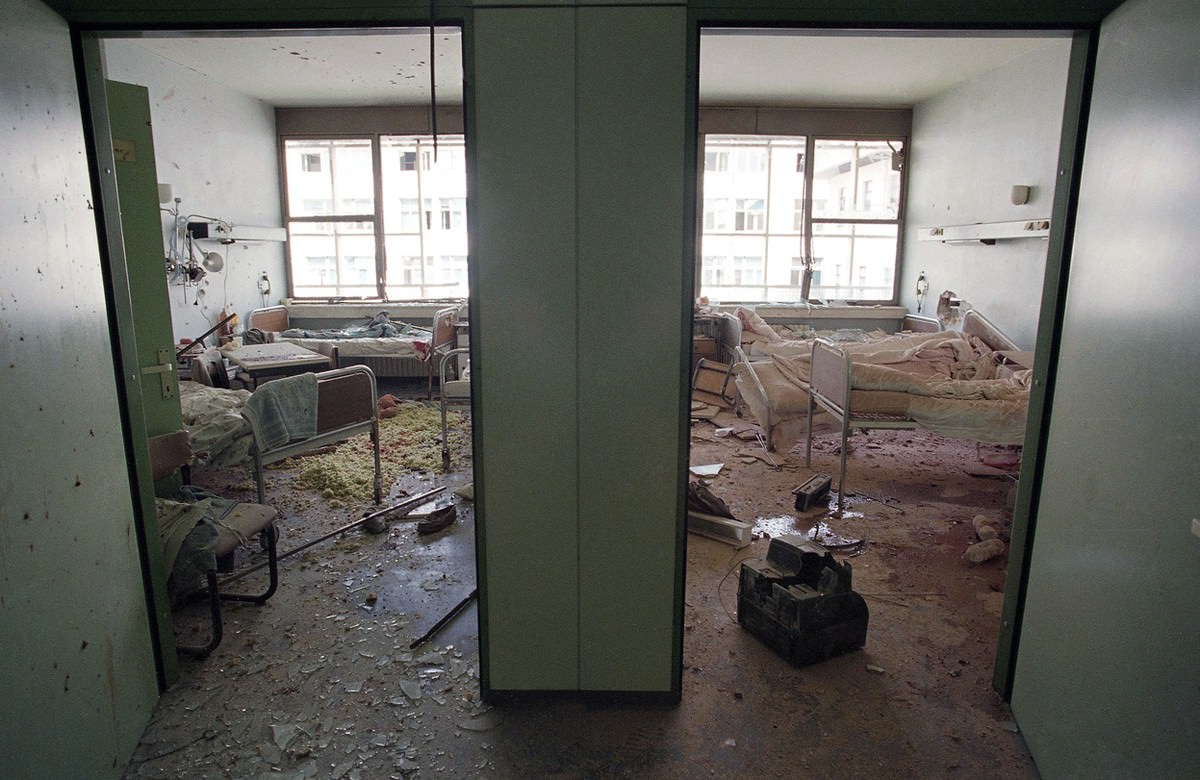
[(1196, 526)]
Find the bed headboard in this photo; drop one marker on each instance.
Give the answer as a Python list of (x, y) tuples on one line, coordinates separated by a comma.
[(918, 323), (345, 396), (444, 333), (272, 319), (979, 326)]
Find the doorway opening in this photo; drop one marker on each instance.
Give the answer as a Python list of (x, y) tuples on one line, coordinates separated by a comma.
[(321, 173), (829, 165)]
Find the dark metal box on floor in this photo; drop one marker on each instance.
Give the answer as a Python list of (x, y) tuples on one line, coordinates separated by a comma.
[(799, 602)]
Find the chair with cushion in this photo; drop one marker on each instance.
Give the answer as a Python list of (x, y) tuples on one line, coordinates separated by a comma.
[(445, 338), (201, 539), (454, 392)]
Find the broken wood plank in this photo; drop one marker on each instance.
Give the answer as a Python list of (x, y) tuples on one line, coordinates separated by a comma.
[(723, 529)]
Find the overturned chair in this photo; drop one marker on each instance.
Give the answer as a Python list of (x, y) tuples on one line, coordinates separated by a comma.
[(201, 538)]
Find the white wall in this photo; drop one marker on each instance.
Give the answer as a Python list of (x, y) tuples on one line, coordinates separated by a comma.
[(216, 147), (969, 146), (77, 669)]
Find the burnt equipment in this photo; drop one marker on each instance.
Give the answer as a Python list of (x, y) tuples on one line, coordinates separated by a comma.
[(811, 491), (799, 602)]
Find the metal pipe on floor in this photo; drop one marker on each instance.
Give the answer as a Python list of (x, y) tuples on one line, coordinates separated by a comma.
[(407, 504)]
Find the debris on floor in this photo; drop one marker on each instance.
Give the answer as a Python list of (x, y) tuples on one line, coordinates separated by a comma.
[(812, 490), (800, 602), (409, 441), (709, 516), (984, 551), (438, 519), (984, 528), (388, 406), (329, 654)]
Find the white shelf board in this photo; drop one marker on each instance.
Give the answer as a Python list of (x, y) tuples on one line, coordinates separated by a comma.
[(986, 231)]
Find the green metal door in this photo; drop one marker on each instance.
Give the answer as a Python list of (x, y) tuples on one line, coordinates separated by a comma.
[(141, 231), (138, 298), (1107, 680)]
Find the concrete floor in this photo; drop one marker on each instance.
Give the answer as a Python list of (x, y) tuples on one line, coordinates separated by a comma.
[(321, 683)]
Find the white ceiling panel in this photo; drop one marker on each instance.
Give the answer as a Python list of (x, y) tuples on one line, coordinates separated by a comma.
[(738, 67), (377, 69)]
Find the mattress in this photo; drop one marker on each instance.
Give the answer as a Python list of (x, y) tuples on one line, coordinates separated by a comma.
[(387, 346)]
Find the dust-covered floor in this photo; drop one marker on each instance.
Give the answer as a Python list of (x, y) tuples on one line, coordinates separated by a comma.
[(321, 682)]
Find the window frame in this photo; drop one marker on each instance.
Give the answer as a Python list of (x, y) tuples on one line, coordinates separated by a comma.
[(814, 125), (376, 219)]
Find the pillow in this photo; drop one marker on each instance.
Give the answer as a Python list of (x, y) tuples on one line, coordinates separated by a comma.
[(752, 323)]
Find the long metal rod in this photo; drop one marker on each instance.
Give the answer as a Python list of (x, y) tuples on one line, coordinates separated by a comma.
[(206, 334), (408, 503), (438, 626)]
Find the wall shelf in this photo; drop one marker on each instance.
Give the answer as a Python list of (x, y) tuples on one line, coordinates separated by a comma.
[(986, 232)]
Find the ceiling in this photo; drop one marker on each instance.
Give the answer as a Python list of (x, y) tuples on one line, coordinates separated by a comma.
[(887, 69)]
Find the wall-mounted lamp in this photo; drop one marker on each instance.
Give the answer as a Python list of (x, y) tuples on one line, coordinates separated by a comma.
[(1020, 194)]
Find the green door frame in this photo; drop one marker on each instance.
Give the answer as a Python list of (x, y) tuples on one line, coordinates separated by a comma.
[(1064, 15), (123, 329), (1074, 121), (1081, 67)]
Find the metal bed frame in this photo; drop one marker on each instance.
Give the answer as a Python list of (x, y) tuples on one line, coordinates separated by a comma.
[(347, 404)]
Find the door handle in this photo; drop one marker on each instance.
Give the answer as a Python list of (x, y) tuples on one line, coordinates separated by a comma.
[(165, 368)]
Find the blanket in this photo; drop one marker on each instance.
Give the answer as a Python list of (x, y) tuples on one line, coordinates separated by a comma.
[(380, 326), (212, 416), (943, 355), (949, 380)]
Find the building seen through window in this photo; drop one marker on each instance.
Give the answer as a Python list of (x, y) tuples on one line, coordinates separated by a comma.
[(761, 229), (411, 244)]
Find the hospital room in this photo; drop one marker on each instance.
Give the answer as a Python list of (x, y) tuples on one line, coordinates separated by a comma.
[(758, 501), (884, 126)]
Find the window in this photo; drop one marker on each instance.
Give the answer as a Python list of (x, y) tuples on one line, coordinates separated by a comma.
[(410, 245), (770, 201), (716, 161), (748, 215)]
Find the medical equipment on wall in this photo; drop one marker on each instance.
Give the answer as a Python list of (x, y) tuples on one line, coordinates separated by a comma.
[(922, 288), (187, 259), (186, 263)]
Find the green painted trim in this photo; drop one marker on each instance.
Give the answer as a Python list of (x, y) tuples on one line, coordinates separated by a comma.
[(473, 282), (1015, 14), (155, 14), (122, 326), (898, 14), (1081, 71)]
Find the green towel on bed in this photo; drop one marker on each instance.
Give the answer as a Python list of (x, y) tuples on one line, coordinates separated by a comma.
[(283, 411)]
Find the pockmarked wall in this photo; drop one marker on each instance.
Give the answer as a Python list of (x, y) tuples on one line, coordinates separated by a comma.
[(969, 146), (216, 148), (76, 664)]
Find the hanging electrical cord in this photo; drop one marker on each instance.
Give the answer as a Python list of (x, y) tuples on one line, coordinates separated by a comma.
[(433, 79)]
